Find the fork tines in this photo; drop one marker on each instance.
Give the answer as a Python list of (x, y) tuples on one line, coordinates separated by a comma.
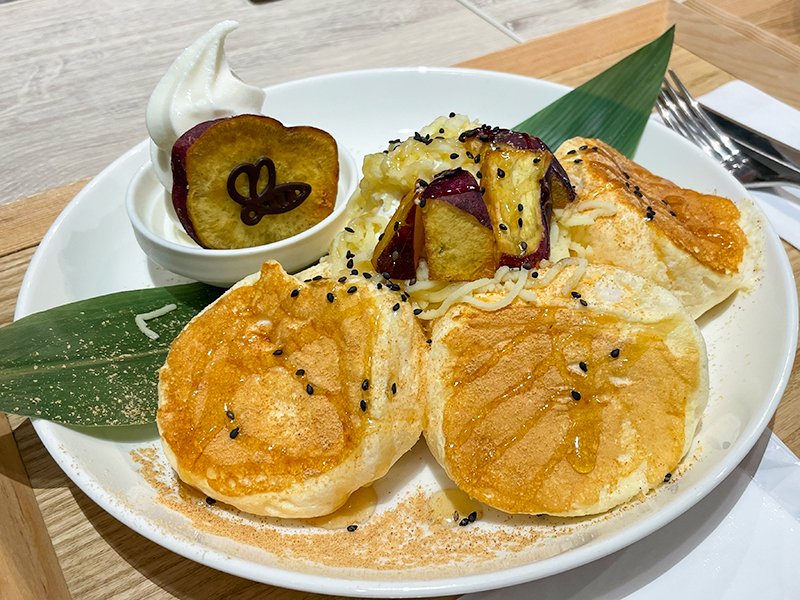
[(681, 112)]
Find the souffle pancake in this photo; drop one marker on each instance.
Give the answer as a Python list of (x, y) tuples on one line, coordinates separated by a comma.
[(699, 246), (287, 394), (572, 399)]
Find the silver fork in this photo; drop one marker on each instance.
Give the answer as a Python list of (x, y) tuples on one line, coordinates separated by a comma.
[(682, 113)]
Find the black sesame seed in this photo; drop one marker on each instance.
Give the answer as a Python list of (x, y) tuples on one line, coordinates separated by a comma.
[(454, 155), (536, 160), (472, 516), (626, 175), (349, 230), (483, 190), (441, 129), (615, 353), (351, 289), (637, 193), (386, 275), (367, 275), (469, 154), (396, 225), (352, 528), (350, 264), (583, 148), (576, 295), (583, 367), (354, 272), (535, 274), (422, 203), (479, 175), (365, 385), (386, 152), (309, 389), (380, 285), (452, 114), (342, 279), (503, 226), (463, 522), (363, 405), (294, 293), (667, 477), (394, 388), (673, 213), (330, 297), (501, 173), (572, 152), (417, 311), (578, 160), (380, 237), (277, 352), (594, 147), (519, 221), (234, 433), (229, 414), (477, 158), (396, 307), (583, 302), (300, 372), (523, 245), (575, 395), (349, 254), (428, 341), (210, 500), (527, 267), (317, 278), (520, 208)]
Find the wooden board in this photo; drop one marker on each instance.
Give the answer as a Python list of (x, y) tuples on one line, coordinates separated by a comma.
[(101, 558)]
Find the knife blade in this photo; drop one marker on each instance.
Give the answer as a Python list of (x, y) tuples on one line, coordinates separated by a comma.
[(781, 154)]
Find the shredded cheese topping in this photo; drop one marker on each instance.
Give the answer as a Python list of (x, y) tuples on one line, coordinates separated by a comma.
[(160, 312)]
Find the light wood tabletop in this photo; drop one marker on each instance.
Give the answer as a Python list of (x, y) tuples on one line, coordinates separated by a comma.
[(76, 78)]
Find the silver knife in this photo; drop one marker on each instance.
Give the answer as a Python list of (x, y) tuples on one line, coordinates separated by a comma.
[(779, 157)]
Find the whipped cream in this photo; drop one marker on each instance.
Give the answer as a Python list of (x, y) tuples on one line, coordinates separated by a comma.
[(199, 86)]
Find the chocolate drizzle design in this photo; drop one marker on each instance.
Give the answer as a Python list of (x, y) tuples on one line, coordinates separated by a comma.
[(273, 200)]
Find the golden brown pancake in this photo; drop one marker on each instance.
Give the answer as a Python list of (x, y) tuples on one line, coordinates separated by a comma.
[(701, 247), (283, 396), (550, 406)]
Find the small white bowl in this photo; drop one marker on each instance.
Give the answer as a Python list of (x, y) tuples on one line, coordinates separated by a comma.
[(160, 234)]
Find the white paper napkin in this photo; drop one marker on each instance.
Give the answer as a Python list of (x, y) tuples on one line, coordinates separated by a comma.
[(761, 112), (742, 541)]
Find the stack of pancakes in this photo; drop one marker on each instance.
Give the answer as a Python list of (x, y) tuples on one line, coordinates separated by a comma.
[(288, 394)]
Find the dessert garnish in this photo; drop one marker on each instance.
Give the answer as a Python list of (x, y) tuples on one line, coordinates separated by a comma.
[(218, 208), (273, 199)]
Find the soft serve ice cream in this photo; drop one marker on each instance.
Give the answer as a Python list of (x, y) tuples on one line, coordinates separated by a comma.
[(198, 87)]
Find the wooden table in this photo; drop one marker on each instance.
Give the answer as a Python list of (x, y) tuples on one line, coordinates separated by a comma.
[(81, 73)]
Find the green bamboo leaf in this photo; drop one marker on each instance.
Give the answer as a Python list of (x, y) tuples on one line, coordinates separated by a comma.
[(88, 363), (614, 106)]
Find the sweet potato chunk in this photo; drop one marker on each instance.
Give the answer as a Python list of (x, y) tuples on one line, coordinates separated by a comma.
[(518, 198)]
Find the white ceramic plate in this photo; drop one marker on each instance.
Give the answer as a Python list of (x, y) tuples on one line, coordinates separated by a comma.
[(90, 250)]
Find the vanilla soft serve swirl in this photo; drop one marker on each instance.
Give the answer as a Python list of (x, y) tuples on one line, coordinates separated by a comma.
[(198, 87)]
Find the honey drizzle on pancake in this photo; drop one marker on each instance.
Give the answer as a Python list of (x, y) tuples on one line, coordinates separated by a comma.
[(703, 225), (474, 447), (247, 325)]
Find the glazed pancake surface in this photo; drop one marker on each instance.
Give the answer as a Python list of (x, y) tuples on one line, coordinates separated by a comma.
[(701, 247), (278, 397), (550, 406)]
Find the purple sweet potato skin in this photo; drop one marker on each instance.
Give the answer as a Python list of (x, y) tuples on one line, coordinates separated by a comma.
[(556, 175), (459, 188), (180, 184)]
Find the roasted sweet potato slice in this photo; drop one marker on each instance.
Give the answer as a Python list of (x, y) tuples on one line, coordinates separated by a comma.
[(518, 198), (205, 156)]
